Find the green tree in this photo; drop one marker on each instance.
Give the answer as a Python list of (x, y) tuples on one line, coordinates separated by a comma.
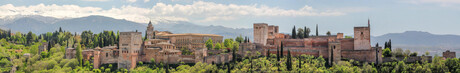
[(228, 43), (316, 29), (348, 37), (209, 43), (307, 32), (236, 46), (278, 54), (289, 61), (452, 64), (29, 38), (282, 50), (79, 55), (293, 34), (386, 52), (239, 39), (328, 33), (218, 46), (300, 33)]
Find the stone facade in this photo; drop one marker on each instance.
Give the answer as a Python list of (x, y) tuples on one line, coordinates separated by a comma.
[(190, 40), (70, 53), (162, 46), (332, 47), (448, 54), (260, 33), (130, 45), (362, 38)]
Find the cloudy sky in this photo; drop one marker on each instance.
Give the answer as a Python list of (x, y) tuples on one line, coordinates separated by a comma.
[(386, 16)]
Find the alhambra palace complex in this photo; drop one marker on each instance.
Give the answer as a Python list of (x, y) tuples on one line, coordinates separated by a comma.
[(164, 47)]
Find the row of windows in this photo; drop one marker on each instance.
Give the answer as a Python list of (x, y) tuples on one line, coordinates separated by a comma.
[(128, 51)]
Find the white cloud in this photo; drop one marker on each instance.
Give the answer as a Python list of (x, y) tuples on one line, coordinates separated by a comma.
[(96, 0), (146, 1), (132, 1), (213, 18), (197, 11)]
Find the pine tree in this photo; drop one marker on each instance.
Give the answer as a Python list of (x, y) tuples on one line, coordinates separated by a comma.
[(293, 33)]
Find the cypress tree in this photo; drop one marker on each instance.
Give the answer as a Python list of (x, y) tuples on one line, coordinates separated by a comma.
[(305, 32), (48, 46), (293, 33), (145, 37), (289, 61), (389, 44), (316, 29), (167, 68), (300, 62), (278, 54), (282, 50), (268, 53), (60, 29), (228, 68), (234, 55)]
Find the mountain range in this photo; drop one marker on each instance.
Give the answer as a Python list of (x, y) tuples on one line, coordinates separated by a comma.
[(413, 40), (42, 24), (421, 42)]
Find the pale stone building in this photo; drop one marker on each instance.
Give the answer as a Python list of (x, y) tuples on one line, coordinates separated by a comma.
[(191, 40)]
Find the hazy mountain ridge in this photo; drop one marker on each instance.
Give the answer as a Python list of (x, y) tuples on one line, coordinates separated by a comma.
[(99, 23), (420, 42)]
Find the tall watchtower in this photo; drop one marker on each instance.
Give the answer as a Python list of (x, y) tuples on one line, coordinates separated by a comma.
[(362, 38), (150, 33), (260, 33), (130, 45)]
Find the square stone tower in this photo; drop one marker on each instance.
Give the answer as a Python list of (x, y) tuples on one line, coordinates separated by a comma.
[(334, 50), (362, 38), (150, 31), (260, 33), (448, 54), (130, 45)]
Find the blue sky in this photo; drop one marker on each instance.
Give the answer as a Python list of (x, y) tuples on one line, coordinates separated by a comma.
[(387, 16)]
